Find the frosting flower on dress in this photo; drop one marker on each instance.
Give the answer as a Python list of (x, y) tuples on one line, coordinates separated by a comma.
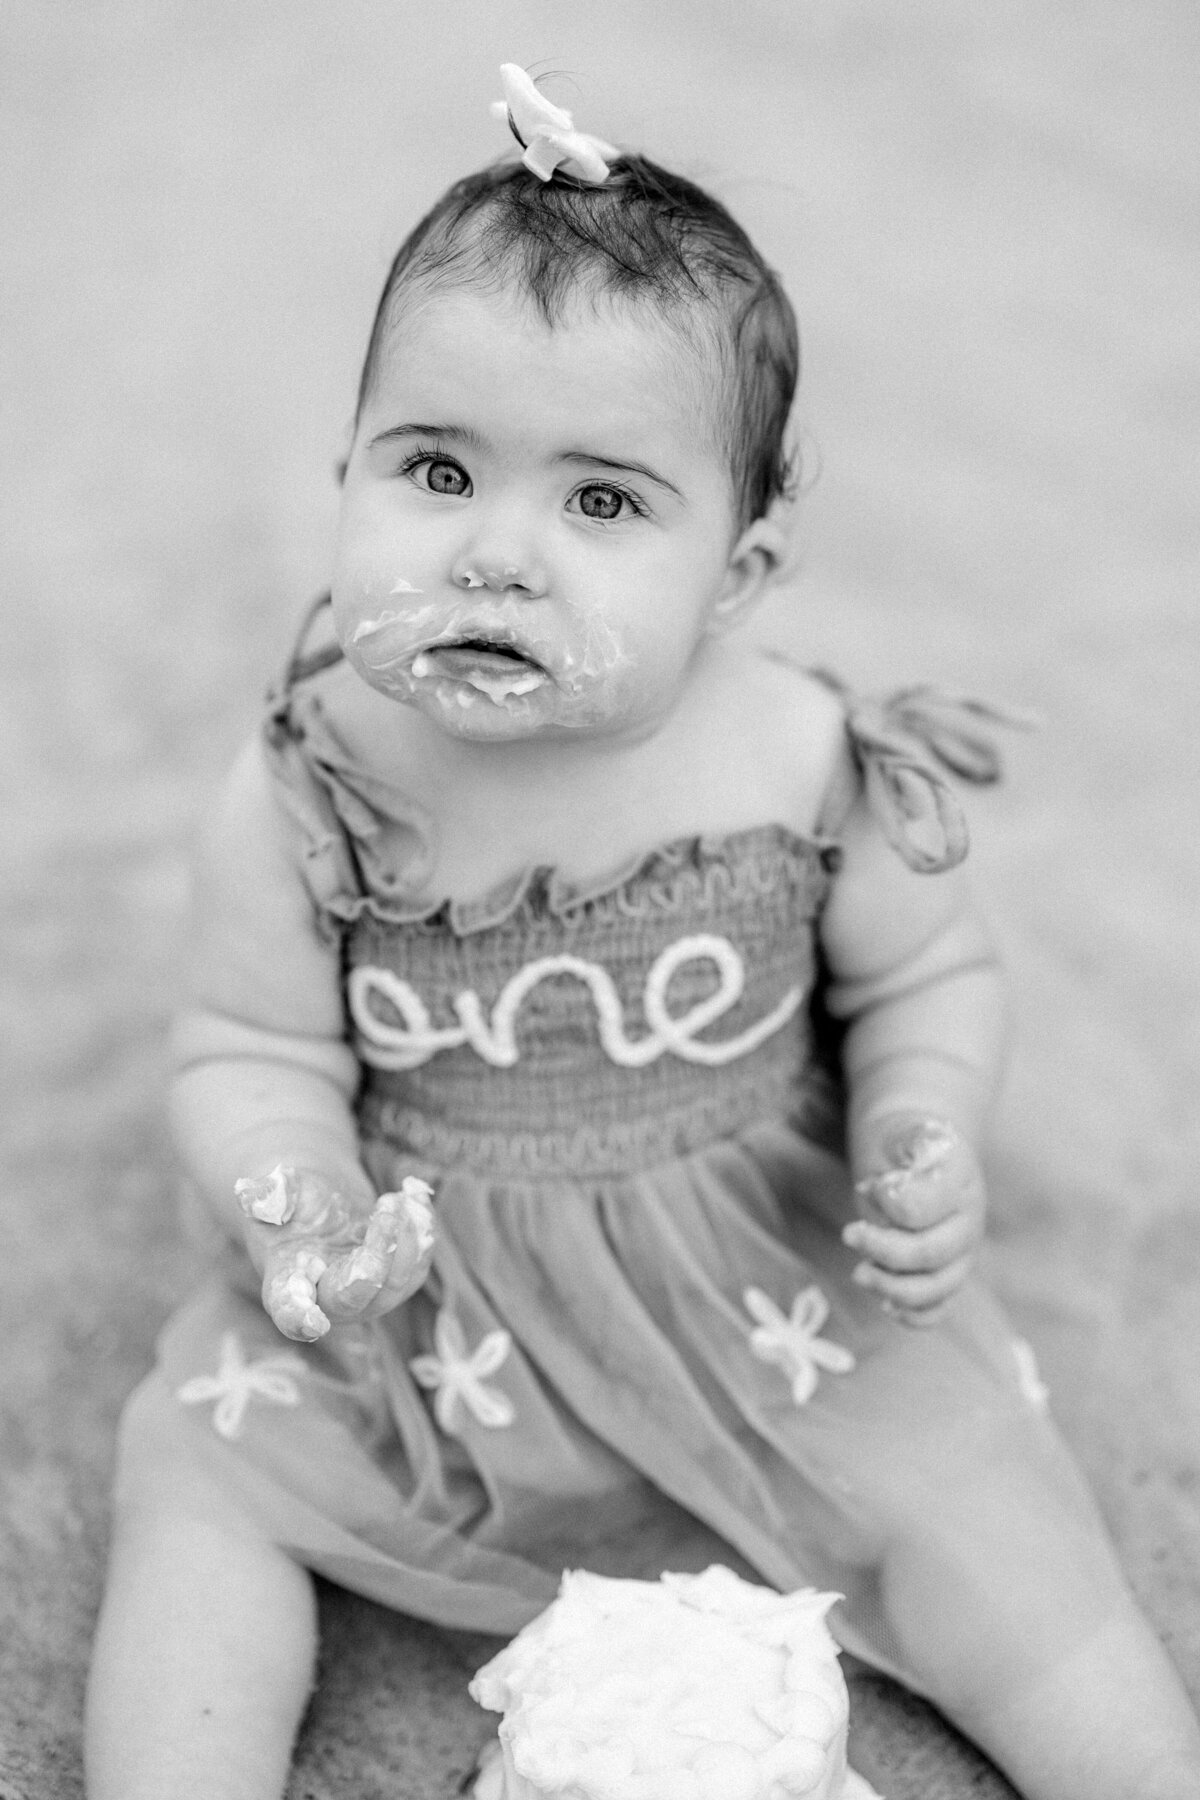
[(547, 132)]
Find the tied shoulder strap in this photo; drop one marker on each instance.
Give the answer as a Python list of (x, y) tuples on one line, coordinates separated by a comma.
[(303, 663), (900, 745), (298, 758)]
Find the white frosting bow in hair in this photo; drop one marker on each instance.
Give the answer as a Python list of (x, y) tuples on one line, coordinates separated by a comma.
[(548, 132)]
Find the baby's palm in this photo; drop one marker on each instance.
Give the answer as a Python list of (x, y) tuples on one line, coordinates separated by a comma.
[(326, 1259)]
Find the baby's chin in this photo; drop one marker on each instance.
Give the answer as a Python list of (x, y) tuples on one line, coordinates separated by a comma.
[(465, 712)]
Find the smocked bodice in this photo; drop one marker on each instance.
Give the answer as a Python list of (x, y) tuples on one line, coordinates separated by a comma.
[(588, 1033)]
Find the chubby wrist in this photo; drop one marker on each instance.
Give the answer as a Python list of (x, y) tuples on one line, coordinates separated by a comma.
[(259, 1153), (233, 1120), (242, 1173)]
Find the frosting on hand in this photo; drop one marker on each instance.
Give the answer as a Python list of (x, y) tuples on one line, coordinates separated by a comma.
[(324, 1259), (924, 1216)]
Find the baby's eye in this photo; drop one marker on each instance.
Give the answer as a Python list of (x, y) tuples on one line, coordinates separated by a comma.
[(600, 500), (437, 474)]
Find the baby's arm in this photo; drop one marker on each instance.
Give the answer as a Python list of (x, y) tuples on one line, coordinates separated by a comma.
[(915, 976), (262, 1099)]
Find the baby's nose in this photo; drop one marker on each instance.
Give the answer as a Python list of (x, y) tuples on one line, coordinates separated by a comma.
[(499, 577)]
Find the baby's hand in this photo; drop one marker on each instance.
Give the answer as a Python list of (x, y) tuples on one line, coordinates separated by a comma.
[(923, 1216), (325, 1260)]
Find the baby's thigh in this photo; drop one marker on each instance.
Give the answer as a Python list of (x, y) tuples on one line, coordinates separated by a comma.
[(162, 1478), (188, 1559)]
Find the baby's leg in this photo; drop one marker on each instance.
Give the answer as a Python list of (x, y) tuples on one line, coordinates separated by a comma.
[(1053, 1670), (204, 1652)]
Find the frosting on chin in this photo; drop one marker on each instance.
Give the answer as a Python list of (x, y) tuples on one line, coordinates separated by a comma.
[(695, 1687)]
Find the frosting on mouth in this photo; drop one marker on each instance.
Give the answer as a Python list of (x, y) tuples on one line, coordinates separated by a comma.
[(492, 669)]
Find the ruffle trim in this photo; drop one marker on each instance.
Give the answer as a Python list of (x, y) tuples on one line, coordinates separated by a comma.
[(692, 874)]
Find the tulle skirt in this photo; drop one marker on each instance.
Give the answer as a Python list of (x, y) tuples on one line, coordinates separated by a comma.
[(641, 1373)]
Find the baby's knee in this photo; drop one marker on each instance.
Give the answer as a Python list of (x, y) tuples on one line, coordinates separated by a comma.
[(972, 1641), (147, 1460)]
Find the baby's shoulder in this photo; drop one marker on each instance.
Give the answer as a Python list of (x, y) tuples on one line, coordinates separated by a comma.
[(797, 724), (795, 698)]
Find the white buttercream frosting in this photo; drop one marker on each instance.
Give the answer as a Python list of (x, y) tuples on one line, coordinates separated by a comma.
[(413, 1201), (694, 1687), (498, 685)]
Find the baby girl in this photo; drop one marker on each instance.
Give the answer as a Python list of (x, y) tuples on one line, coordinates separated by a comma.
[(648, 953)]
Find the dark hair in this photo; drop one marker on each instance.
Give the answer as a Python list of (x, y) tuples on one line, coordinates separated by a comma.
[(643, 235)]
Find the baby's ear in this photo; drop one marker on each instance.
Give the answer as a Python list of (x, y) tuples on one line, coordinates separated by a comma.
[(754, 563)]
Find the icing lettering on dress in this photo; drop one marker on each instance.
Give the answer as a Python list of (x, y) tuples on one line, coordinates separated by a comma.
[(414, 1041)]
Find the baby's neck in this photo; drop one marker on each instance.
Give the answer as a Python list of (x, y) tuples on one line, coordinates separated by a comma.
[(585, 806), (749, 745), (536, 769), (577, 805)]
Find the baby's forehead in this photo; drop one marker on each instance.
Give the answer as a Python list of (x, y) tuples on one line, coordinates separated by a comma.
[(676, 351)]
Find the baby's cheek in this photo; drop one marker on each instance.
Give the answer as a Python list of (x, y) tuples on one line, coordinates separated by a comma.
[(611, 699), (381, 651), (377, 565), (595, 651)]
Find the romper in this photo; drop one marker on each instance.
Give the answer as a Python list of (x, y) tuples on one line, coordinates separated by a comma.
[(639, 1346)]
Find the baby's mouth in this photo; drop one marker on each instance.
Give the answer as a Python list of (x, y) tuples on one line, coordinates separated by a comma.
[(495, 669)]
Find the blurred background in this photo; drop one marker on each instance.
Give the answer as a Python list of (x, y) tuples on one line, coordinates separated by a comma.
[(987, 217)]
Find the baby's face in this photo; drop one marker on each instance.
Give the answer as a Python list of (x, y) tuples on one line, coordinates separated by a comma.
[(537, 523)]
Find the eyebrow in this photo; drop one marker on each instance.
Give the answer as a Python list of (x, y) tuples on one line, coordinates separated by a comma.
[(621, 466), (457, 434)]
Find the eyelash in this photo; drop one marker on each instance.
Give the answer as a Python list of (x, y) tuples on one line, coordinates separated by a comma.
[(429, 453), (614, 487), (433, 453)]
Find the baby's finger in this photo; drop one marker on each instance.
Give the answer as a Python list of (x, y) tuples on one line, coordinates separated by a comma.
[(414, 1249), (393, 1259), (289, 1293), (911, 1252), (914, 1293), (908, 1197)]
